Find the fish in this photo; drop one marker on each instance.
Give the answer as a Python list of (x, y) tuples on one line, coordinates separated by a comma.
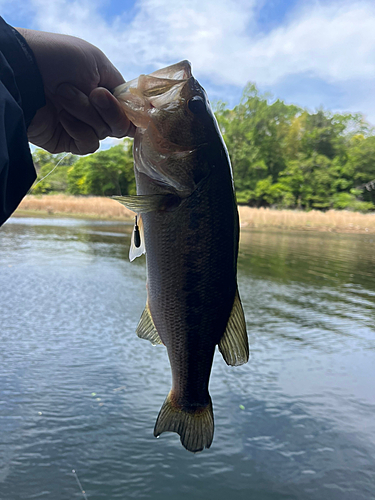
[(187, 225)]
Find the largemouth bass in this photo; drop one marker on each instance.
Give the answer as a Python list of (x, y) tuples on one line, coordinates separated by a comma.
[(188, 224)]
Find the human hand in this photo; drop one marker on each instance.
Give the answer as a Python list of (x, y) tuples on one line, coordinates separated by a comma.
[(79, 108)]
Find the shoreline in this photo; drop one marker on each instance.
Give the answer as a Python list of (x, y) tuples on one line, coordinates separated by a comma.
[(101, 208)]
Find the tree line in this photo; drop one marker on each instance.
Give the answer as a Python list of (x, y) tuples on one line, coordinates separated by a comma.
[(282, 156), (104, 173)]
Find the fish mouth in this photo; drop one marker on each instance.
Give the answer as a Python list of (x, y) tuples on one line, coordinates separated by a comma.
[(144, 95), (178, 71), (146, 99)]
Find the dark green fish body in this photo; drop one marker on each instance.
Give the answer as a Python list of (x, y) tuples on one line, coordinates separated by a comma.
[(190, 231), (191, 269)]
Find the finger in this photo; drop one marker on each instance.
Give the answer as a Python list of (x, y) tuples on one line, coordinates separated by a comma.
[(80, 138), (78, 105), (110, 77), (112, 113), (46, 130)]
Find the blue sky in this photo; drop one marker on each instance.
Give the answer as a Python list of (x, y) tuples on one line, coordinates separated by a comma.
[(311, 53)]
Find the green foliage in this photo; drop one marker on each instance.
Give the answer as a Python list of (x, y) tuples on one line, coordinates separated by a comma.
[(255, 133), (348, 201), (285, 156), (104, 173), (45, 164), (282, 156)]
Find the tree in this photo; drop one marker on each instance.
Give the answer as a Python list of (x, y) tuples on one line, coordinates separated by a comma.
[(281, 156), (53, 169), (310, 180), (256, 136), (104, 173), (359, 169)]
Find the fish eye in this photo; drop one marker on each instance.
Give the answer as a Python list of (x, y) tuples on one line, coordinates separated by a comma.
[(196, 104)]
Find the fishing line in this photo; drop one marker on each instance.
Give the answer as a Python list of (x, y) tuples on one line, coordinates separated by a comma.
[(50, 172), (80, 485)]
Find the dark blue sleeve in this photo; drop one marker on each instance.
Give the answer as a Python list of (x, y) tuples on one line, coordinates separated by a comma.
[(21, 95)]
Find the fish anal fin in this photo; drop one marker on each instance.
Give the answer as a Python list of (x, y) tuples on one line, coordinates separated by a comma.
[(135, 251), (146, 328), (195, 427), (234, 344)]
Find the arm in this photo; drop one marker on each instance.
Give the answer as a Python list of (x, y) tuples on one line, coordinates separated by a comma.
[(54, 92), (21, 94), (80, 110)]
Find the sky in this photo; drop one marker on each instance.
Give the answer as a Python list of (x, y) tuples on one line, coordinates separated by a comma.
[(310, 53)]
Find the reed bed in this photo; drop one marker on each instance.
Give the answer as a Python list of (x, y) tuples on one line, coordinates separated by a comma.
[(105, 208), (61, 204), (332, 220)]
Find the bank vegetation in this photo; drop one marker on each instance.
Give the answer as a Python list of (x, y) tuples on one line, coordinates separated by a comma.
[(104, 208), (283, 157)]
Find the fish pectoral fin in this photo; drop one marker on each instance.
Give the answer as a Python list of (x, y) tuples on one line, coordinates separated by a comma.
[(146, 328), (234, 344), (142, 204), (135, 251), (195, 426)]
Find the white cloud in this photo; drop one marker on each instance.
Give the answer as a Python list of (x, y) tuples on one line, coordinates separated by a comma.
[(161, 32), (333, 42)]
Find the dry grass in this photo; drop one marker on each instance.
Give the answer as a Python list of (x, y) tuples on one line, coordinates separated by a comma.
[(333, 220), (104, 208), (61, 204)]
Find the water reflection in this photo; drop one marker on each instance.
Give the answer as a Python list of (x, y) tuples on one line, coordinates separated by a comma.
[(316, 258), (79, 390)]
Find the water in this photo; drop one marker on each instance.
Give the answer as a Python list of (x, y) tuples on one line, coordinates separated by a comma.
[(79, 390)]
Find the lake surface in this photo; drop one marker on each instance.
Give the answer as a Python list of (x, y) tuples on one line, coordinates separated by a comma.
[(79, 390)]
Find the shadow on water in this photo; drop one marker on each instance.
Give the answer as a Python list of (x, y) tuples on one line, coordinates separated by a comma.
[(79, 390)]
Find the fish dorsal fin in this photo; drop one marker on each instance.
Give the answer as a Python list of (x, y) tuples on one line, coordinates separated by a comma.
[(146, 328), (234, 344), (142, 204), (135, 251)]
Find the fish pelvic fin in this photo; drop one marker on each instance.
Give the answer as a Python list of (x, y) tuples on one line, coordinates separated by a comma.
[(146, 328), (136, 251), (195, 427), (234, 344)]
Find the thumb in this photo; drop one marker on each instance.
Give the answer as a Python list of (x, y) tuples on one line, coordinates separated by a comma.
[(110, 77)]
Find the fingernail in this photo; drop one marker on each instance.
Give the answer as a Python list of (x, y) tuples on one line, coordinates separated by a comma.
[(67, 91), (101, 100)]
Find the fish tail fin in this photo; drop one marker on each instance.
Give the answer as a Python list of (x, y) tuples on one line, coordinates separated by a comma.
[(195, 426)]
